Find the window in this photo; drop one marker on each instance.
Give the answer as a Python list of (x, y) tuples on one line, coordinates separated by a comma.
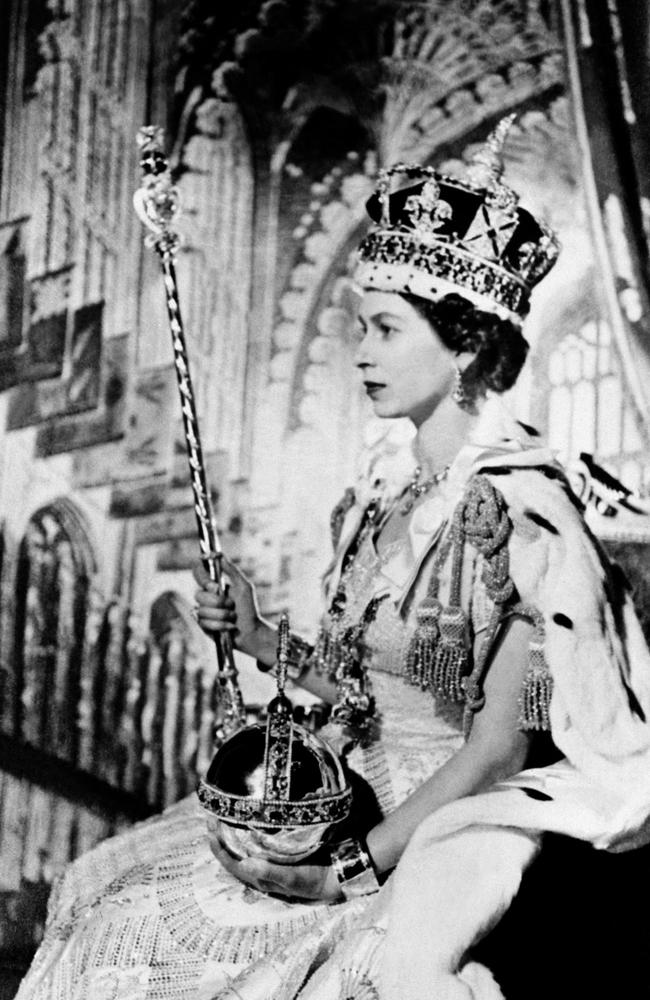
[(587, 408)]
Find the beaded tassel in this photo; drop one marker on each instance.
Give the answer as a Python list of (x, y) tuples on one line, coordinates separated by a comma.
[(451, 655), (328, 651), (422, 648), (537, 689), (325, 653), (355, 705)]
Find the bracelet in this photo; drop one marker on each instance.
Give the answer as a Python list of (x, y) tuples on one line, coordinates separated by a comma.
[(353, 869), (299, 654)]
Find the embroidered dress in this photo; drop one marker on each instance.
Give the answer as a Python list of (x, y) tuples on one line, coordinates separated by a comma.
[(151, 915)]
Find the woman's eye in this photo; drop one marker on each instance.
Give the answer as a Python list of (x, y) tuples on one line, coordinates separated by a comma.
[(386, 329)]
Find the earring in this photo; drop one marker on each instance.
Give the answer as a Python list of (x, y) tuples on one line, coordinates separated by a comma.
[(458, 393)]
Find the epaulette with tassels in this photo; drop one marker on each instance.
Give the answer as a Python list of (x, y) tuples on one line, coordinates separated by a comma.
[(439, 655)]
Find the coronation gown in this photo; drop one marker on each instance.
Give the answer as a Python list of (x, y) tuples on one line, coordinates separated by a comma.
[(151, 914)]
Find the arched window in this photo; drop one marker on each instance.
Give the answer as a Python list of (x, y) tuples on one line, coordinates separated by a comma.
[(587, 406), (13, 270), (55, 565), (176, 699)]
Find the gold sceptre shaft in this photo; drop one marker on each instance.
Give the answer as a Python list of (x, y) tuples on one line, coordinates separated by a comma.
[(157, 205)]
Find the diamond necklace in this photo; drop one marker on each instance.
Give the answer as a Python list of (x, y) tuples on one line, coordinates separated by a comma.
[(418, 487)]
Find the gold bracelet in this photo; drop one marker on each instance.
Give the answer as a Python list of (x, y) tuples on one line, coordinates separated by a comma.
[(353, 869)]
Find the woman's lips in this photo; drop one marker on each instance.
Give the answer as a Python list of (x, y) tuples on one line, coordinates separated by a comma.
[(372, 388)]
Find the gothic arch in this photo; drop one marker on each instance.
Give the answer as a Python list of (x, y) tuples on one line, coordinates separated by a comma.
[(405, 69), (178, 720), (215, 267), (55, 567)]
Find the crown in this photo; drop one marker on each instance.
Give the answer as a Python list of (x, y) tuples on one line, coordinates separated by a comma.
[(275, 790), (466, 235)]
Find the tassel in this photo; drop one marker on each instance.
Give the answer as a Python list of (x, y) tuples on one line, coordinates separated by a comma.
[(537, 689), (327, 653), (451, 655), (421, 651)]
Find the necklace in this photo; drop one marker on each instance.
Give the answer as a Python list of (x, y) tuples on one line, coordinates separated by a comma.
[(418, 487)]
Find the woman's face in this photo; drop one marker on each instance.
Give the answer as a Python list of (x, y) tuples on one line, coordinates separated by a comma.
[(406, 369)]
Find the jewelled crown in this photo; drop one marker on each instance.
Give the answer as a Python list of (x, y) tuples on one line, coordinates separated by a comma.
[(466, 235)]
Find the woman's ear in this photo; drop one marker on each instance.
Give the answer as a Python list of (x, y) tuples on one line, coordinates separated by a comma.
[(462, 359)]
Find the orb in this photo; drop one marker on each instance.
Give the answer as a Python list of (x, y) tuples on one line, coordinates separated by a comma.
[(275, 791)]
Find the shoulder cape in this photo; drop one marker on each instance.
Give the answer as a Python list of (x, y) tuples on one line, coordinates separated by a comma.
[(464, 864)]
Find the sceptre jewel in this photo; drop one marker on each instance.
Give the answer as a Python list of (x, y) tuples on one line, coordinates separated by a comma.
[(418, 487), (275, 790), (157, 205)]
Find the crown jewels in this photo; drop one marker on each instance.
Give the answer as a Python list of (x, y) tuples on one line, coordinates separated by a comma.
[(274, 790), (445, 234)]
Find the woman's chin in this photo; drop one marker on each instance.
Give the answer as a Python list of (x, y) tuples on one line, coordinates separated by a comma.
[(385, 408), (386, 411)]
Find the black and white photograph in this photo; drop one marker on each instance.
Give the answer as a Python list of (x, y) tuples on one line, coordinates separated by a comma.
[(324, 499)]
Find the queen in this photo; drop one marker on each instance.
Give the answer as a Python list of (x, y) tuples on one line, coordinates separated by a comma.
[(487, 677)]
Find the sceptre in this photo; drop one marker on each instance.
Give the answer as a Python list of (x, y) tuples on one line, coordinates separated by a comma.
[(157, 205)]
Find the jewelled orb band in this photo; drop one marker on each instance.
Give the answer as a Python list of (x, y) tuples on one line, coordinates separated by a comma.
[(275, 813)]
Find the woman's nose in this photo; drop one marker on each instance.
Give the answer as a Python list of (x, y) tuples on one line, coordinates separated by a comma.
[(363, 354)]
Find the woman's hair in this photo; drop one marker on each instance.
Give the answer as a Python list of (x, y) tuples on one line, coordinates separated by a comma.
[(498, 345)]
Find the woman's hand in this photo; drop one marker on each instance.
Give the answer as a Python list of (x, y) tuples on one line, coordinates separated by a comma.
[(235, 611), (306, 882)]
